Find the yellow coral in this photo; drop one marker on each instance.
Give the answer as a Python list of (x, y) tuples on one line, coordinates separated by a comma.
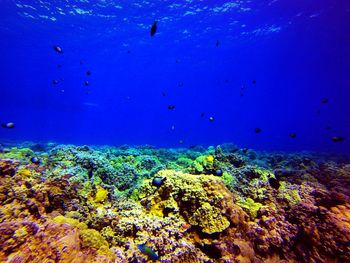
[(209, 219), (70, 221), (101, 195), (157, 210), (205, 196), (92, 238), (210, 158), (24, 173), (107, 232)]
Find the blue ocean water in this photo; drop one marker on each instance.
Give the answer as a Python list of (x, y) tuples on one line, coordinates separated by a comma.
[(248, 64)]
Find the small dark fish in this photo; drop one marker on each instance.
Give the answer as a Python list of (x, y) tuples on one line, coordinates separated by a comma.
[(274, 183), (217, 43), (227, 81), (211, 119), (181, 84), (86, 83), (293, 135), (163, 94), (254, 81), (88, 73), (8, 125), (338, 139), (35, 160), (202, 114), (257, 130), (241, 94), (129, 52), (177, 61), (158, 181), (58, 49), (59, 66), (55, 82), (153, 28), (148, 251), (324, 100), (218, 172), (328, 128), (171, 107)]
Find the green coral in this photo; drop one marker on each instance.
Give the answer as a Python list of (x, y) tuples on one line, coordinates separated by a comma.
[(289, 193), (21, 154), (229, 179), (184, 162), (204, 163), (250, 206)]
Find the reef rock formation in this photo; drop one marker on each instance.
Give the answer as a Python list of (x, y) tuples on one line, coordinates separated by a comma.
[(102, 204)]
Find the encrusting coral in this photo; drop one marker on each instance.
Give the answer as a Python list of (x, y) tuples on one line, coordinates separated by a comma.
[(223, 204)]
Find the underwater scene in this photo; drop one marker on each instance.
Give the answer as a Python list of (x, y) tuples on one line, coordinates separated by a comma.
[(175, 131)]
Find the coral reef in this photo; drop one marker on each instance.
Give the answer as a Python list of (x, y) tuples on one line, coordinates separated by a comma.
[(140, 204)]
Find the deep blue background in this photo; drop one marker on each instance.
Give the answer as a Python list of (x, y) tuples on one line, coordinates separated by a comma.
[(297, 51)]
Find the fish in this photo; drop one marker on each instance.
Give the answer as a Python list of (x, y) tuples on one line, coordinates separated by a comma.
[(202, 114), (88, 73), (35, 160), (172, 127), (86, 83), (293, 135), (254, 81), (218, 172), (58, 49), (153, 28), (274, 183), (217, 43), (158, 181), (8, 125), (163, 94), (211, 119), (338, 139), (324, 100), (55, 82), (171, 107), (257, 130), (148, 251)]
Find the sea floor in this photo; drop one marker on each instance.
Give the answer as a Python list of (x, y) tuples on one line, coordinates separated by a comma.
[(66, 203)]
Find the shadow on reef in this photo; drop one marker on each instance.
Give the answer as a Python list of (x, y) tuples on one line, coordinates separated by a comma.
[(65, 203)]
